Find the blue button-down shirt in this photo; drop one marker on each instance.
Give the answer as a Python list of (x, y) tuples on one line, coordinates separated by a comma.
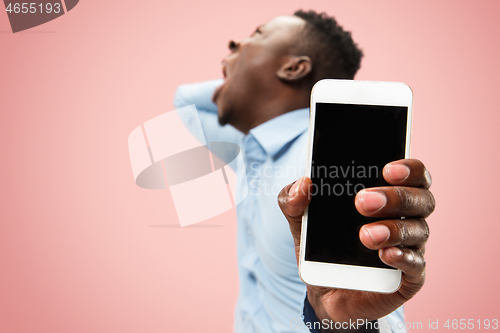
[(271, 297)]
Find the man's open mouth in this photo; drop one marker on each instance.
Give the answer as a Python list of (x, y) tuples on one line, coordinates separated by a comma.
[(224, 70), (217, 91)]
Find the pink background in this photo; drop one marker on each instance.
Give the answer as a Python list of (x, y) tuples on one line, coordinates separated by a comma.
[(83, 249)]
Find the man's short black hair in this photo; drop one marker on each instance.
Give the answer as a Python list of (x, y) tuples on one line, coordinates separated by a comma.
[(333, 52)]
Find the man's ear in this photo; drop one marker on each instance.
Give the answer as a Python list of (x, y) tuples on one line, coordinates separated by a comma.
[(295, 68)]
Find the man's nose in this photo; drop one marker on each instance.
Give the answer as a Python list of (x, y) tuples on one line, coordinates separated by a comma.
[(233, 46)]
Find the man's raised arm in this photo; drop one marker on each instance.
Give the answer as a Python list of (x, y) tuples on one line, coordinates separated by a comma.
[(200, 94)]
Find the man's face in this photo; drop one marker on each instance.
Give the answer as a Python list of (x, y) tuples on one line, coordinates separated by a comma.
[(250, 69)]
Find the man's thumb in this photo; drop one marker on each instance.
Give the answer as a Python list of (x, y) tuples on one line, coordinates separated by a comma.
[(293, 200)]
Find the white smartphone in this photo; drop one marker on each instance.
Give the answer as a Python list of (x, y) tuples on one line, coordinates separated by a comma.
[(355, 129)]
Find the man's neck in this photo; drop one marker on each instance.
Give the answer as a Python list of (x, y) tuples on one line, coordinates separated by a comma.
[(271, 108)]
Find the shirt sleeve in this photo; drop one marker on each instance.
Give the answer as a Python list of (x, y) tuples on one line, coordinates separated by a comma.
[(375, 326), (393, 323), (309, 317), (200, 94)]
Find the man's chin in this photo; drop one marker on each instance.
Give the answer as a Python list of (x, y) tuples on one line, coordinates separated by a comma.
[(217, 94), (223, 113), (223, 118)]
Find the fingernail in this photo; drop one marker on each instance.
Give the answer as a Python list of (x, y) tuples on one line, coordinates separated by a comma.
[(395, 252), (398, 172), (379, 233), (373, 200), (295, 188)]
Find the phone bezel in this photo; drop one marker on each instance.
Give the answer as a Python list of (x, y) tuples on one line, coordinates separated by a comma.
[(343, 276)]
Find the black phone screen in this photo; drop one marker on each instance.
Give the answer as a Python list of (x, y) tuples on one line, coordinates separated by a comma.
[(352, 144)]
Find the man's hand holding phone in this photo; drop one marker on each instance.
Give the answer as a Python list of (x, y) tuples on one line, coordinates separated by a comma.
[(400, 242)]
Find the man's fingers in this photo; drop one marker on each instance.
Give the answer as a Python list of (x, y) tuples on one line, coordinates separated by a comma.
[(293, 200), (408, 232), (395, 201), (408, 172)]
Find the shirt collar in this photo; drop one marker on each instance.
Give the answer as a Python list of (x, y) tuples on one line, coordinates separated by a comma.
[(274, 134)]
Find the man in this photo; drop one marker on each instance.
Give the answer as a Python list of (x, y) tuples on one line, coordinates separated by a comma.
[(264, 98)]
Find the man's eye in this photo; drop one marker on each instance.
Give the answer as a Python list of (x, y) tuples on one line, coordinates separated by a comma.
[(257, 31)]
